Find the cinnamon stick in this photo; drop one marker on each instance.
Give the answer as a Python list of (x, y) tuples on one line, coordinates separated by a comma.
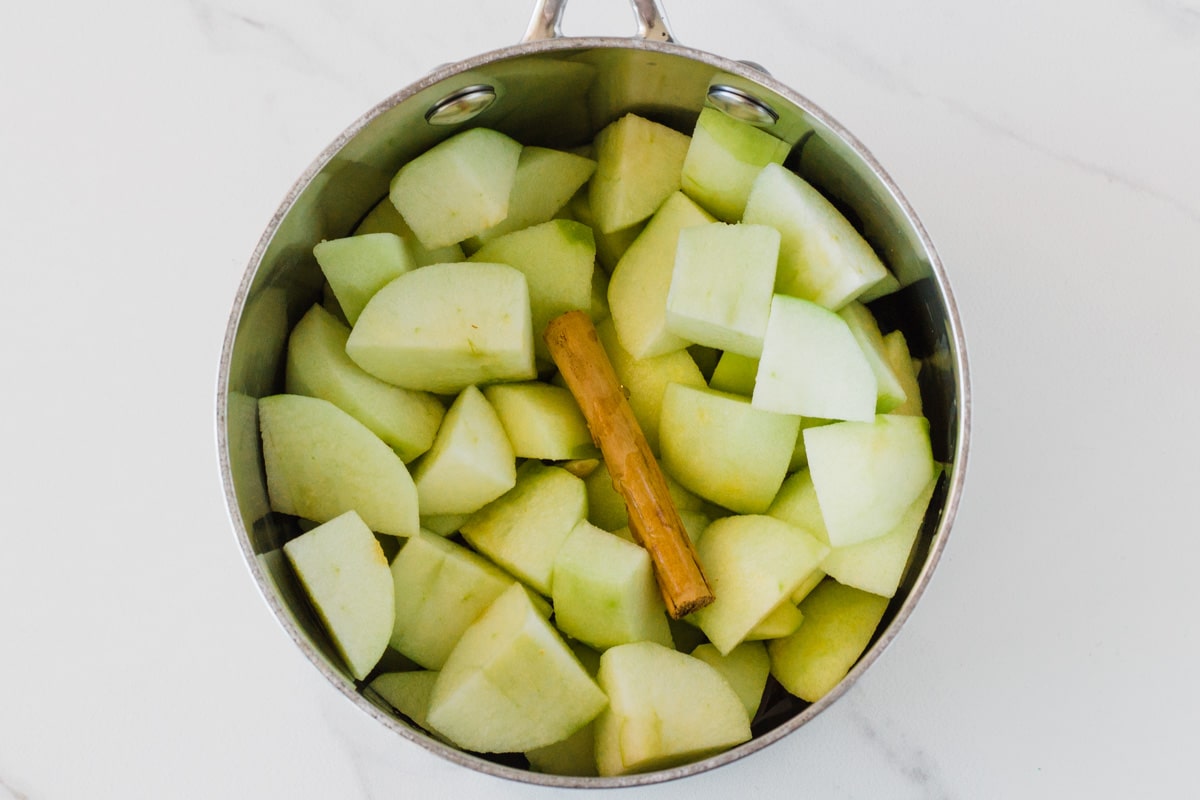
[(653, 518)]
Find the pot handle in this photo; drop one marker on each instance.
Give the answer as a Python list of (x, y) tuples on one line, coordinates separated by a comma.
[(546, 22)]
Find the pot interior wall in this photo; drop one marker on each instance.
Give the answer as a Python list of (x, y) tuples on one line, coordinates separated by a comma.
[(558, 95)]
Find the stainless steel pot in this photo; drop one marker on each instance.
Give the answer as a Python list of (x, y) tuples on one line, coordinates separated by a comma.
[(558, 91)]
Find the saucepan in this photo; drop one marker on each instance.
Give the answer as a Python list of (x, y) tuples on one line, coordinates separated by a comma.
[(558, 91)]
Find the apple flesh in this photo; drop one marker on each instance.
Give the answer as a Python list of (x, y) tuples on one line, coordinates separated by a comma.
[(866, 474), (638, 165), (721, 286), (440, 589), (641, 281), (664, 708), (359, 266), (604, 591), (317, 366), (723, 159), (812, 365), (471, 462), (511, 684), (723, 449), (523, 529), (822, 257), (545, 181), (384, 218), (839, 622), (753, 563), (458, 188), (321, 462), (542, 421), (444, 327), (345, 574)]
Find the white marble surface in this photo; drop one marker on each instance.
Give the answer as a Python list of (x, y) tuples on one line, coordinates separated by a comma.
[(1051, 150)]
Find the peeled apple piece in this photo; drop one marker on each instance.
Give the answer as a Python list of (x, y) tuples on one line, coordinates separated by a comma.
[(317, 366), (445, 327), (723, 159), (812, 365), (822, 257), (867, 474), (511, 684), (664, 708), (321, 462), (638, 165), (345, 574), (458, 188)]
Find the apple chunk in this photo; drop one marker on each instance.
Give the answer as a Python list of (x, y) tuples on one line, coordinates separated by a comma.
[(444, 327), (511, 684), (345, 575), (471, 462), (638, 165), (722, 284), (723, 449), (441, 588), (754, 564), (665, 708), (321, 462), (458, 188), (604, 591), (839, 622), (822, 257), (723, 159), (812, 365), (317, 366), (359, 266), (866, 474)]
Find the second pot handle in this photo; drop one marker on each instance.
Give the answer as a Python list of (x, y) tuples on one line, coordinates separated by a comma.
[(546, 22)]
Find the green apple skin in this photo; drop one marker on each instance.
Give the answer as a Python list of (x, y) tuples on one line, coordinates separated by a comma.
[(317, 366), (384, 218), (745, 450), (441, 588), (723, 159), (458, 188), (345, 574), (822, 258), (511, 684), (444, 327), (866, 474), (321, 462), (357, 267), (641, 281), (638, 165), (665, 708), (839, 622), (721, 286), (471, 462)]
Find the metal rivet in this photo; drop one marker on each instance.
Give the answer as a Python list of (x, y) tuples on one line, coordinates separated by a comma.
[(462, 105), (739, 104)]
